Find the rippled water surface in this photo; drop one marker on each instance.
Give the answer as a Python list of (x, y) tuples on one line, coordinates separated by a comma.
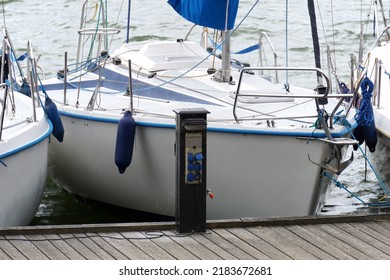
[(52, 27)]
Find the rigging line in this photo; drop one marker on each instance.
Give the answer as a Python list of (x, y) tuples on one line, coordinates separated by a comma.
[(97, 89), (376, 173), (3, 10), (116, 24), (341, 186), (287, 43), (368, 16), (322, 23), (333, 67), (333, 31)]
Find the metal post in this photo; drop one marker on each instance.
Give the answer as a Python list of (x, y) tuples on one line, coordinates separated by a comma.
[(131, 89), (65, 75), (33, 86)]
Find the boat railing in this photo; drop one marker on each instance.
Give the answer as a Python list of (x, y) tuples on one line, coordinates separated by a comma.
[(377, 68), (98, 33), (262, 59), (377, 76), (3, 102), (316, 97), (15, 76), (385, 32), (6, 59), (263, 39), (33, 78)]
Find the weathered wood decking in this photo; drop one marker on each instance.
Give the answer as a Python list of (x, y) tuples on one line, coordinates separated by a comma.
[(361, 237)]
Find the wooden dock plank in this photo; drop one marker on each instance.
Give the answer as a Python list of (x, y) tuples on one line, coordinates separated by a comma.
[(383, 232), (261, 244), (106, 246), (277, 240), (143, 242), (78, 246), (59, 243), (196, 248), (223, 254), (384, 224), (305, 238), (376, 247), (336, 242), (3, 255), (350, 240), (317, 241), (174, 248), (94, 247), (229, 243), (127, 248), (296, 235), (253, 245), (10, 249), (46, 247), (27, 248)]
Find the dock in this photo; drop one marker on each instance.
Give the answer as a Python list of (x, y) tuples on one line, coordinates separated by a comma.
[(350, 237)]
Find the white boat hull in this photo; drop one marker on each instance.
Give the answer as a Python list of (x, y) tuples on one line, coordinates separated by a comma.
[(24, 159), (22, 184), (248, 181), (381, 109)]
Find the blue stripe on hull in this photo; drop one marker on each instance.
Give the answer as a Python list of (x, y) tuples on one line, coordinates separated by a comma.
[(30, 144), (213, 129)]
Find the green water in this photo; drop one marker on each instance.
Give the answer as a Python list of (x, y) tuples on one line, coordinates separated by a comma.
[(58, 207)]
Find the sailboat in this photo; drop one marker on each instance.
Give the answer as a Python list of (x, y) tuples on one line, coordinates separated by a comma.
[(272, 148), (24, 140), (374, 72)]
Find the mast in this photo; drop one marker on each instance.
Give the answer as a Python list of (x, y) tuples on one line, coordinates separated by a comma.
[(314, 34), (128, 22), (216, 14), (223, 75)]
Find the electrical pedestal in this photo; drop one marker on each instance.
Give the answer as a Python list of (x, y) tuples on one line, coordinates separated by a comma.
[(191, 158)]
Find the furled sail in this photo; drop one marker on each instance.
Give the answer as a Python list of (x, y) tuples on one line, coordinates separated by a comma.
[(217, 14)]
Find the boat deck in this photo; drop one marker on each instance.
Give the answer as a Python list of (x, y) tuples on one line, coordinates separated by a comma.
[(362, 237)]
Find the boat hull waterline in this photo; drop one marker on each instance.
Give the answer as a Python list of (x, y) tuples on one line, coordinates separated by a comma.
[(248, 182)]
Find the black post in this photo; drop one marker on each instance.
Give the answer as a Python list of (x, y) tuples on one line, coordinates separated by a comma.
[(191, 158)]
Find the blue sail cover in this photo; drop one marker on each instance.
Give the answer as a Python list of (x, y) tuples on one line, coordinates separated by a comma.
[(209, 13)]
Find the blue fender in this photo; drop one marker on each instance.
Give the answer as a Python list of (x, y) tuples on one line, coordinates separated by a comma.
[(359, 136), (125, 142), (365, 117), (370, 136), (53, 115)]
